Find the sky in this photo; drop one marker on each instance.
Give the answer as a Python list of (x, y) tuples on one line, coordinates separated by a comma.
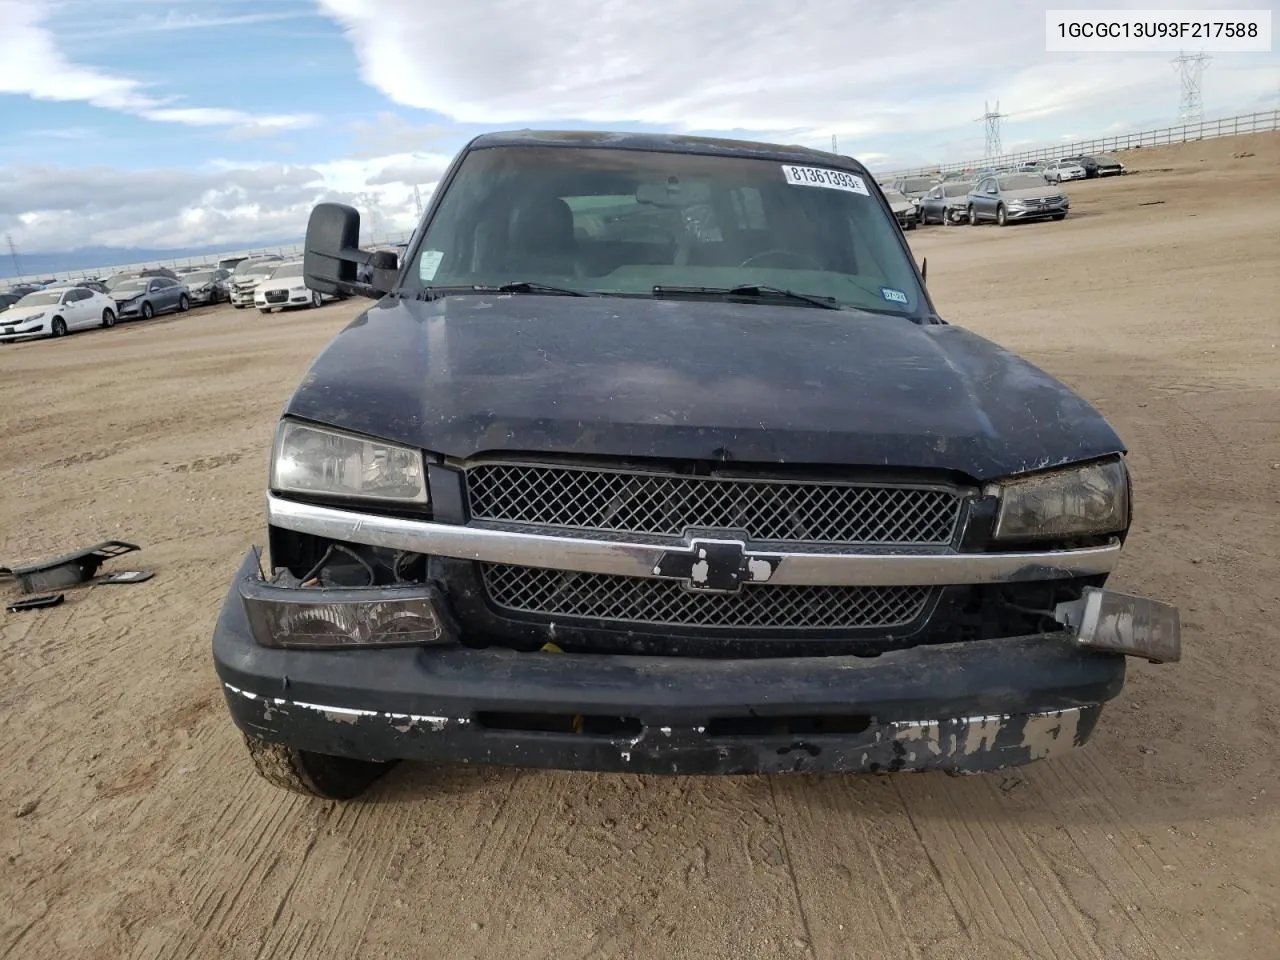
[(177, 123)]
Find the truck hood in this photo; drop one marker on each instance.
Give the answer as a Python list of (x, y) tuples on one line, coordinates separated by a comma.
[(713, 381)]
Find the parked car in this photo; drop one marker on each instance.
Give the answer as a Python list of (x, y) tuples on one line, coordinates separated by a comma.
[(1032, 166), (96, 285), (946, 203), (913, 188), (116, 279), (208, 286), (904, 209), (246, 277), (1014, 197), (1098, 165), (55, 313), (230, 263), (147, 297), (22, 289), (285, 289), (1062, 170), (540, 508), (8, 299)]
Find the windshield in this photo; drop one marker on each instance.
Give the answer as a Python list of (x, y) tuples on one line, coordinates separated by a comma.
[(199, 276), (624, 221), (41, 298), (114, 282), (894, 196), (256, 267), (958, 189), (131, 286), (288, 270), (917, 184), (1024, 181)]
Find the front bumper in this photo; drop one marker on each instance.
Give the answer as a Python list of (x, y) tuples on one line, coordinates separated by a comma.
[(11, 333), (243, 298), (965, 708), (1036, 212)]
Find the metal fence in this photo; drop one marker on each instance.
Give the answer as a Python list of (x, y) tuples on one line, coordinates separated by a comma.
[(1262, 122)]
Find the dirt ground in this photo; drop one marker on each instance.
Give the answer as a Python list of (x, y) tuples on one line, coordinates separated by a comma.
[(132, 826)]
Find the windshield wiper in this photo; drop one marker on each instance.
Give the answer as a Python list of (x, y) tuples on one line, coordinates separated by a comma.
[(533, 286), (757, 291)]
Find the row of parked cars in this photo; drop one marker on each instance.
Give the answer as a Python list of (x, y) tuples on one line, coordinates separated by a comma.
[(31, 311), (1031, 191)]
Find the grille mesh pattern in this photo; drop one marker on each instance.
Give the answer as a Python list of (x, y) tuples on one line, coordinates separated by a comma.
[(668, 504), (641, 600)]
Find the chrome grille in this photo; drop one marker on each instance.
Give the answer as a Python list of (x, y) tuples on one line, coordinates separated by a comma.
[(663, 504), (595, 596)]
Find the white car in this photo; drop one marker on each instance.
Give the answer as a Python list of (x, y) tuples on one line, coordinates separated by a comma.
[(1062, 170), (284, 289), (55, 313)]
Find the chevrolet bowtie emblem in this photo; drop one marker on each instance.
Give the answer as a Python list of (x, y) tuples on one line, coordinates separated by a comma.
[(715, 566)]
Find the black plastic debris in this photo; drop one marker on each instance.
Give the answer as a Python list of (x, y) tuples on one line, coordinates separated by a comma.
[(68, 570), (36, 603)]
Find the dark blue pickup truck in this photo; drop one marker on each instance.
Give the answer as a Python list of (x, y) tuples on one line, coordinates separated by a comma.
[(653, 454)]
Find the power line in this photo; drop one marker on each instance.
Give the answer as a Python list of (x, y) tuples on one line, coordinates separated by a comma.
[(13, 252), (1191, 71), (992, 120)]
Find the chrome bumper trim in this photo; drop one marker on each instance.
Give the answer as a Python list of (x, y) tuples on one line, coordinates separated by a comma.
[(861, 569)]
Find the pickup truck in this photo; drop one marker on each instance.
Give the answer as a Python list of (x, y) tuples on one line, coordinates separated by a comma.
[(599, 481)]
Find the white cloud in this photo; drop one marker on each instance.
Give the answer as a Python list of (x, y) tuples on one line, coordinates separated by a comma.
[(862, 69), (233, 203), (32, 64)]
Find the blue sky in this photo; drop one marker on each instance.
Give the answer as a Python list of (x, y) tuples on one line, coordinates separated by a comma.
[(168, 123)]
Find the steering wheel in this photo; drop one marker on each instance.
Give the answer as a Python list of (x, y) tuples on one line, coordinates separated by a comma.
[(803, 259)]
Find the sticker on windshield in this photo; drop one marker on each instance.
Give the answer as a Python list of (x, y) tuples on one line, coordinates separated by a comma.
[(819, 177), (428, 264), (896, 296)]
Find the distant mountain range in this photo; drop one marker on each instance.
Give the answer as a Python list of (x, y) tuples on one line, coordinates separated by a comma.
[(92, 259)]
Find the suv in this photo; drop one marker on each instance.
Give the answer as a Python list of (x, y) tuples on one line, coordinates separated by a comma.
[(601, 482)]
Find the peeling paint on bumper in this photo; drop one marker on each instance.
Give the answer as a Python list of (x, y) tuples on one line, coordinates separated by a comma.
[(958, 745)]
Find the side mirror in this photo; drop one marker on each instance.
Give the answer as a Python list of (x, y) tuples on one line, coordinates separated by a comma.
[(332, 254)]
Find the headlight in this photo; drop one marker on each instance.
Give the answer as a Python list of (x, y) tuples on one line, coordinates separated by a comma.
[(298, 289), (314, 460), (1076, 501), (34, 316)]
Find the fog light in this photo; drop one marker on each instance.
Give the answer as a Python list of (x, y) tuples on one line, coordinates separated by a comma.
[(319, 618)]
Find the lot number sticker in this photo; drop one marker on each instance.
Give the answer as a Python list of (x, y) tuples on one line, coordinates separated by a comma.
[(428, 264), (818, 177)]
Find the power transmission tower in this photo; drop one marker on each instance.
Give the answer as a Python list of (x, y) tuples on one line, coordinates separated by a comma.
[(1191, 70), (13, 252), (833, 144), (992, 120), (417, 200)]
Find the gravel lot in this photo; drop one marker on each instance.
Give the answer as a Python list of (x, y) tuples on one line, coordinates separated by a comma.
[(132, 826)]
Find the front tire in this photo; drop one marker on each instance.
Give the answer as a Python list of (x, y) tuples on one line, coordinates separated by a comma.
[(313, 774), (58, 328), (148, 311), (264, 310), (1002, 218), (316, 299), (184, 303), (973, 216), (108, 318)]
